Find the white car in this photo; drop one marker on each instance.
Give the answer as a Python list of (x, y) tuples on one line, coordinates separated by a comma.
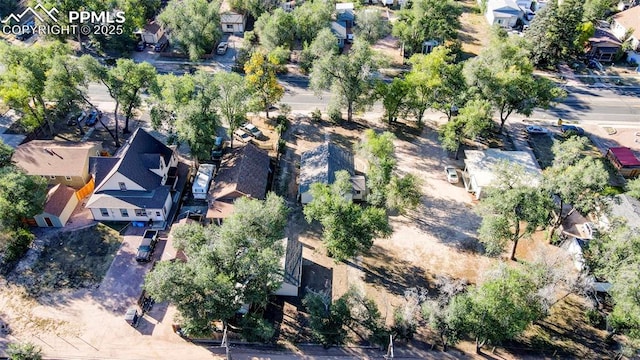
[(589, 230), (253, 130), (535, 129), (242, 136), (452, 174)]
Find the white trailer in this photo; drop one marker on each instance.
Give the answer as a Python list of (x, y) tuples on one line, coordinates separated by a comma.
[(202, 181)]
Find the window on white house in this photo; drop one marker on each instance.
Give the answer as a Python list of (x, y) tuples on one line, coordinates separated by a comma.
[(141, 212), (104, 212), (68, 178), (123, 186), (229, 27), (124, 212), (157, 213), (52, 177)]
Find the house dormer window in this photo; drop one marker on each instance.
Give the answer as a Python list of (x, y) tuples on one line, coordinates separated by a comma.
[(52, 177), (123, 186)]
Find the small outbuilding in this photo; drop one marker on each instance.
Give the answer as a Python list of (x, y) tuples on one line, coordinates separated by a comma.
[(231, 21), (479, 167), (151, 33), (625, 161), (291, 262), (60, 203)]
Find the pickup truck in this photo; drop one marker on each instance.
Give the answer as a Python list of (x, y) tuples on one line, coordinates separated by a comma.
[(147, 245)]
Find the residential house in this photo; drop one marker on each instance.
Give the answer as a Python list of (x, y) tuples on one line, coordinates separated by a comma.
[(231, 21), (479, 168), (339, 29), (151, 33), (243, 173), (628, 21), (603, 45), (429, 45), (136, 184), (503, 12), (59, 205), (346, 15), (625, 161), (319, 165), (60, 162), (291, 262)]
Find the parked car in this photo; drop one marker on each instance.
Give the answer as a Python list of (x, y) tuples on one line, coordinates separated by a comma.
[(161, 45), (93, 117), (73, 121), (147, 245), (222, 48), (218, 148), (589, 230), (535, 129), (140, 46), (242, 136), (253, 130), (570, 129), (452, 174), (24, 35)]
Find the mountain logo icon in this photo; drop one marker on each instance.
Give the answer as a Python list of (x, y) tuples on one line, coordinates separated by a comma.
[(35, 12)]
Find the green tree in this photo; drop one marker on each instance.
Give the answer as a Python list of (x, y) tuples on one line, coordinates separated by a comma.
[(445, 316), (348, 229), (254, 7), (474, 120), (576, 178), (21, 196), (370, 26), (232, 100), (24, 351), (500, 308), (597, 9), (194, 25), (328, 321), (394, 97), (262, 82), (125, 83), (511, 209), (404, 193), (349, 76), (310, 18), (187, 106), (324, 44), (435, 82), (503, 74), (6, 152), (275, 29), (236, 263), (379, 152), (427, 20), (23, 83), (633, 188), (553, 32), (139, 11)]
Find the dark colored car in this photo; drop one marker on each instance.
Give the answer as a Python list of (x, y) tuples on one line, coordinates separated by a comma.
[(161, 45), (140, 46), (570, 129), (218, 148), (24, 35), (147, 245), (93, 117)]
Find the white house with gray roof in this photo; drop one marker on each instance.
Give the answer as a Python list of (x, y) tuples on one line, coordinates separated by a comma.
[(137, 183), (320, 165)]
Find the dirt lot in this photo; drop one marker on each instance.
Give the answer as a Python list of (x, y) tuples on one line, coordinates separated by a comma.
[(475, 30)]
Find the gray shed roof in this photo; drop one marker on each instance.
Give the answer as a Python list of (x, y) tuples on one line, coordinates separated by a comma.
[(292, 261), (319, 165)]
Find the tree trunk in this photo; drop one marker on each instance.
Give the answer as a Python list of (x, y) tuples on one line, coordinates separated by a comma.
[(266, 109), (420, 116), (513, 250), (45, 115), (478, 346), (350, 111), (115, 119)]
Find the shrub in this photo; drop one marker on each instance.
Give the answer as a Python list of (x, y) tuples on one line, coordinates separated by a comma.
[(257, 329), (24, 351), (316, 115), (403, 328), (282, 146), (16, 245)]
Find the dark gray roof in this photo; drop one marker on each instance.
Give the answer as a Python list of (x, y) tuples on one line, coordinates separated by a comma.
[(100, 167), (154, 199), (140, 153), (320, 165), (245, 170), (292, 262)]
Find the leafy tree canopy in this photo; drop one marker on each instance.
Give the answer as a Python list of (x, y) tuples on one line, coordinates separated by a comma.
[(21, 196), (310, 18), (276, 29)]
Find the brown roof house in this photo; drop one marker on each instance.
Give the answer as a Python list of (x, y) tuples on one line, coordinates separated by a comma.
[(231, 21), (603, 45), (244, 173), (60, 162), (151, 33), (60, 203), (628, 21)]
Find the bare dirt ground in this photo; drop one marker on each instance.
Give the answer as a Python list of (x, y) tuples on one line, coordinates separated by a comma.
[(475, 30)]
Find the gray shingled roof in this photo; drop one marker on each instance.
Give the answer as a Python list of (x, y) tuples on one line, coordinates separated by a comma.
[(101, 166), (136, 157), (154, 199), (293, 261), (319, 165)]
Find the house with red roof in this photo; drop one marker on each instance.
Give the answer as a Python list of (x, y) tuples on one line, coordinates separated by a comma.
[(625, 161)]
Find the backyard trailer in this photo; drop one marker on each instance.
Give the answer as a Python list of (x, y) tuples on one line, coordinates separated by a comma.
[(201, 182)]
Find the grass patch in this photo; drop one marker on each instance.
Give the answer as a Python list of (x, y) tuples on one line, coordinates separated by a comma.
[(73, 259), (541, 146)]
